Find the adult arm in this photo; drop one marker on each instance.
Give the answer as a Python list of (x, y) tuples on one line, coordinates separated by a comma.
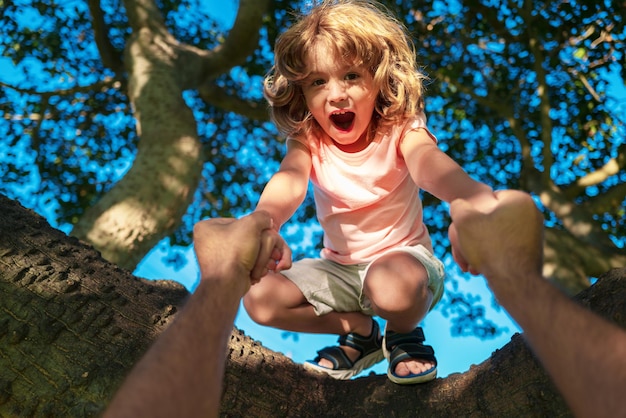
[(434, 171), (584, 354), (286, 190), (181, 374)]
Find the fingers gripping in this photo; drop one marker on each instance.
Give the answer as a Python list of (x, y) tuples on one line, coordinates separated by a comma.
[(273, 254)]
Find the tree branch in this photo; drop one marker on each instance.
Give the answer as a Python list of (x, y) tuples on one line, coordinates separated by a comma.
[(534, 44), (583, 261), (145, 14), (611, 168), (230, 102), (240, 42), (61, 302), (610, 201), (109, 55), (576, 219), (107, 82)]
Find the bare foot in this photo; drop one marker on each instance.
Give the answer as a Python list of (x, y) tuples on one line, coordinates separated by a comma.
[(412, 366)]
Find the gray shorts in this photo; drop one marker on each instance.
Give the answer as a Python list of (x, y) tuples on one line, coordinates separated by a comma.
[(330, 286)]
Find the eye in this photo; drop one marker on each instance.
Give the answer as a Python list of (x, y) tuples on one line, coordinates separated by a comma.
[(317, 82), (352, 76)]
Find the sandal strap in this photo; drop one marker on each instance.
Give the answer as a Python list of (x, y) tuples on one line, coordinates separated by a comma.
[(365, 345), (336, 356), (409, 345), (393, 338), (411, 351)]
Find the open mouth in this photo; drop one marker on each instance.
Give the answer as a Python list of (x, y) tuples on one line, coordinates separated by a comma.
[(343, 121)]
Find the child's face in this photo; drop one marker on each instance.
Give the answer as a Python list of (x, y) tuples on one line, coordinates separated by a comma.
[(340, 97)]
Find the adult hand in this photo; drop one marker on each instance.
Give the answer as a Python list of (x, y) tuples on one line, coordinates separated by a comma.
[(190, 354), (248, 247), (499, 236)]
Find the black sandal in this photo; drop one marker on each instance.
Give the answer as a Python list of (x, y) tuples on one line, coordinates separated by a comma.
[(398, 347), (343, 368)]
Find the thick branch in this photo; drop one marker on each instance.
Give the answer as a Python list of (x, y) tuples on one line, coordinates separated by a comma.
[(72, 325), (230, 102), (144, 14), (241, 41), (134, 215)]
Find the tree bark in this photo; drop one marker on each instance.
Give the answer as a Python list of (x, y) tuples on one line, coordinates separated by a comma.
[(149, 202), (72, 325)]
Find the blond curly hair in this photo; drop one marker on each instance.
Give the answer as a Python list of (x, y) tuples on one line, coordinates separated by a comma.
[(360, 32)]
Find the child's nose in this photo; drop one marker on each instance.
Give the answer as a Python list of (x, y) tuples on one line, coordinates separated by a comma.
[(336, 91)]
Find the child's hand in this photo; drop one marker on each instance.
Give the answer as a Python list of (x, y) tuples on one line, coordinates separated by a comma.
[(279, 258), (483, 203)]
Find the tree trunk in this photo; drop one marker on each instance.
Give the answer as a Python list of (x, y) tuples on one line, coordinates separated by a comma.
[(149, 202), (72, 325)]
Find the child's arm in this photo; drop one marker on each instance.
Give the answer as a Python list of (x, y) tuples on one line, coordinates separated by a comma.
[(432, 170), (286, 190)]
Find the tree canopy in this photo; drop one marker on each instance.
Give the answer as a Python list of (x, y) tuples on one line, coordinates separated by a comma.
[(125, 122)]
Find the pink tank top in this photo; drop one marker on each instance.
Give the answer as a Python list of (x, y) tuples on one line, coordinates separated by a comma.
[(367, 201)]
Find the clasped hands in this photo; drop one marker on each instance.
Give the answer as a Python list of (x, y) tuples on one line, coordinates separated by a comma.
[(497, 234), (229, 250)]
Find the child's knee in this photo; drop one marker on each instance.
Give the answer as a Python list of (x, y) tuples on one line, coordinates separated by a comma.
[(262, 305), (396, 284), (256, 309)]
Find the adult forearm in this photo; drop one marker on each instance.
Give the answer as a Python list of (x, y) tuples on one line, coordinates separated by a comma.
[(182, 373), (584, 354)]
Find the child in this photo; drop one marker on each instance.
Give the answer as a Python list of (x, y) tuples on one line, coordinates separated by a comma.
[(346, 93)]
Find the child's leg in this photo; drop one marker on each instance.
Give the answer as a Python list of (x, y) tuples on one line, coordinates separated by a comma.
[(277, 302), (397, 286)]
